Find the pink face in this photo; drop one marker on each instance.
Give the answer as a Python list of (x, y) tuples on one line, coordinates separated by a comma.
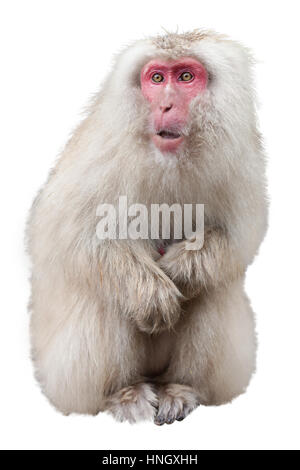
[(170, 86)]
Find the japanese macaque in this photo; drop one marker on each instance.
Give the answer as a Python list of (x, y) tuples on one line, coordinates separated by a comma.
[(122, 325)]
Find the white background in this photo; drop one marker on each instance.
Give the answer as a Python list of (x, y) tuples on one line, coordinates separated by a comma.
[(53, 56)]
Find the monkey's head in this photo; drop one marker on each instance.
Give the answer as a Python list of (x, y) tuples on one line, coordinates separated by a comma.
[(181, 98)]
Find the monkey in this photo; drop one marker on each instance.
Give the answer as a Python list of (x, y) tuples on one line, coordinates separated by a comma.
[(147, 329)]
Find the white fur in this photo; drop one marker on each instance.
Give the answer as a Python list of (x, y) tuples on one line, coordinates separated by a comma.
[(94, 303)]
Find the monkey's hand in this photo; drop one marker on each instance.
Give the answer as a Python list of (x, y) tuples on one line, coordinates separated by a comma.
[(194, 271), (155, 302), (180, 265), (142, 291)]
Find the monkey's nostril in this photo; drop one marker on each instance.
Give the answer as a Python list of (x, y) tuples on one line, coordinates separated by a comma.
[(167, 108)]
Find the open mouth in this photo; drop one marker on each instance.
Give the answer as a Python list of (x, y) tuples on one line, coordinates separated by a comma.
[(168, 140), (167, 134)]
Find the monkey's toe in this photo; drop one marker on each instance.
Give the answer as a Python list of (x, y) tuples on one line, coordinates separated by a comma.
[(175, 402), (134, 403)]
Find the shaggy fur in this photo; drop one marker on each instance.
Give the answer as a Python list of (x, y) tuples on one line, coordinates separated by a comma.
[(111, 317)]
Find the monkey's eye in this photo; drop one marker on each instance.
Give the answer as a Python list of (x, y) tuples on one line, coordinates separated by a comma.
[(157, 77), (186, 77)]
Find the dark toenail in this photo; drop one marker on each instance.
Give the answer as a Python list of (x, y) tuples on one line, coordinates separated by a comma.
[(180, 418), (170, 421), (159, 420)]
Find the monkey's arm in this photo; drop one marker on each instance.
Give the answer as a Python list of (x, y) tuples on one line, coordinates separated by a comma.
[(193, 271), (138, 288)]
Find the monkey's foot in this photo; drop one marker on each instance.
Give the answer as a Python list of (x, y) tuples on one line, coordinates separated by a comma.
[(134, 403), (175, 402)]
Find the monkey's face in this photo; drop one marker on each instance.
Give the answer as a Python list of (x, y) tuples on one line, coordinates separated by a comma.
[(170, 86)]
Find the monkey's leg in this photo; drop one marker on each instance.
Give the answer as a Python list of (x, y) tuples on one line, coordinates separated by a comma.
[(85, 352), (214, 355)]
